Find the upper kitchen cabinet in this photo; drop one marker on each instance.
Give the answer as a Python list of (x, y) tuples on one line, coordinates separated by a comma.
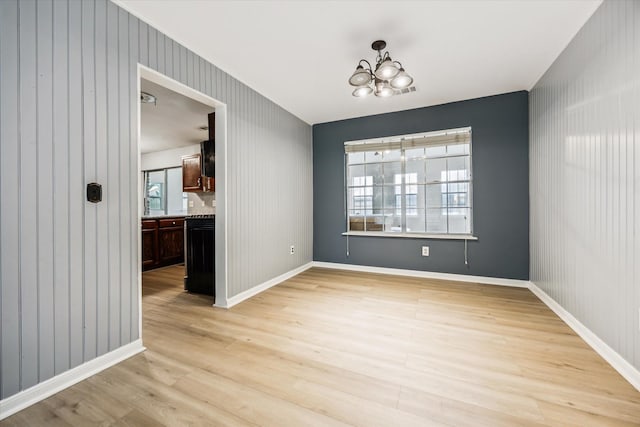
[(192, 178), (198, 170), (192, 173)]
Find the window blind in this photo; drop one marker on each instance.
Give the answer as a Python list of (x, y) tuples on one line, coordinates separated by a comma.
[(462, 136)]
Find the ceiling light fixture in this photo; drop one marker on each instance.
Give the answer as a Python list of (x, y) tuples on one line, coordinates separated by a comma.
[(147, 98), (387, 76)]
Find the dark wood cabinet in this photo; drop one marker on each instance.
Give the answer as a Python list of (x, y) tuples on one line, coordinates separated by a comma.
[(162, 242), (149, 243), (171, 241), (192, 173)]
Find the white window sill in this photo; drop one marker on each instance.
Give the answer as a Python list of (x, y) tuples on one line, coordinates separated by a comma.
[(411, 235)]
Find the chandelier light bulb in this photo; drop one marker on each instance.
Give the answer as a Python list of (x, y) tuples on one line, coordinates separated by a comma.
[(383, 89), (360, 77), (386, 70), (402, 80), (362, 91)]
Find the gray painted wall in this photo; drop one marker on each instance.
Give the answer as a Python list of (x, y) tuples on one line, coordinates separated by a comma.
[(500, 189), (585, 177), (68, 117)]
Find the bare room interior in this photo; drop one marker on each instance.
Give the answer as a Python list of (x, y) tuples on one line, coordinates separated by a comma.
[(310, 213)]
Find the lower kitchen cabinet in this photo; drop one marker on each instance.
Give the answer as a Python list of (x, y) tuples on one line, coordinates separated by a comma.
[(162, 242)]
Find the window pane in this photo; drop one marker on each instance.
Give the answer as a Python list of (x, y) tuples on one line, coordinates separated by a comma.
[(360, 200), (356, 221), (392, 222), (434, 195), (155, 192), (436, 170), (416, 221), (416, 167), (391, 155), (373, 156), (175, 196), (436, 221), (457, 195), (414, 153), (457, 149), (390, 171), (375, 172), (459, 220), (355, 175), (458, 168), (355, 158), (437, 151)]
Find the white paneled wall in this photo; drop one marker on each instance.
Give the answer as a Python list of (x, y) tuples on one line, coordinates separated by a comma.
[(68, 272), (585, 177)]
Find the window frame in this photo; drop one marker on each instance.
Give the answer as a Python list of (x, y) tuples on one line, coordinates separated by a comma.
[(165, 195), (397, 140)]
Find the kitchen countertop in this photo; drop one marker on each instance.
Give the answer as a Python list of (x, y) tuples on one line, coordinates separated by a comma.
[(164, 216)]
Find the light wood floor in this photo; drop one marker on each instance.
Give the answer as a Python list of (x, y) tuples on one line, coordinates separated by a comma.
[(341, 348)]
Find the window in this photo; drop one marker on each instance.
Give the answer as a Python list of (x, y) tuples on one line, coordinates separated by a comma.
[(410, 184), (163, 192)]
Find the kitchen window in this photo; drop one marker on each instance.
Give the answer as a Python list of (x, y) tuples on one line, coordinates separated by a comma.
[(163, 192), (410, 185)]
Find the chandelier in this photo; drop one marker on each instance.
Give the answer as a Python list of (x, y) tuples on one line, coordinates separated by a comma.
[(384, 80)]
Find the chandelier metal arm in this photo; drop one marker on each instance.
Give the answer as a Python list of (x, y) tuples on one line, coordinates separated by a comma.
[(368, 64), (398, 62)]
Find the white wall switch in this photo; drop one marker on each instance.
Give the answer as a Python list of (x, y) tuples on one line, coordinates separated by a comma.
[(425, 251)]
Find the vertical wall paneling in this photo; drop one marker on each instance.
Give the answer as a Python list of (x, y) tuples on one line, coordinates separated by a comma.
[(88, 77), (28, 199), (126, 98), (60, 180), (132, 105), (44, 191), (112, 182), (10, 303), (101, 237), (585, 186), (68, 117), (76, 188)]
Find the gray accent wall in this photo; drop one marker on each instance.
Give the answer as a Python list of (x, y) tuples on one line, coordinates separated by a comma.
[(68, 273), (500, 189), (585, 177)]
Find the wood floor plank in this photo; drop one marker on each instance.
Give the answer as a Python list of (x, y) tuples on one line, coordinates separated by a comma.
[(330, 347)]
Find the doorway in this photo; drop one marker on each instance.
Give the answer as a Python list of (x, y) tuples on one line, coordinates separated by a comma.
[(160, 149)]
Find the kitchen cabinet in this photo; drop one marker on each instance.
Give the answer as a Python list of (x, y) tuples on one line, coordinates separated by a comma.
[(170, 241), (192, 173), (162, 242), (149, 243), (192, 178)]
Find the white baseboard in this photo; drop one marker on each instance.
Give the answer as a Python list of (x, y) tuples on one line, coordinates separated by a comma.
[(618, 363), (38, 392), (236, 299), (426, 274)]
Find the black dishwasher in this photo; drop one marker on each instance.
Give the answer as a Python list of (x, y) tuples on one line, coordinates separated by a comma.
[(200, 258)]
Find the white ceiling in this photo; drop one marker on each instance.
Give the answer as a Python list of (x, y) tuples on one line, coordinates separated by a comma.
[(173, 122), (300, 54)]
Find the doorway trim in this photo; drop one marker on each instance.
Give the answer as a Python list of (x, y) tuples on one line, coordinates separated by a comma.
[(221, 244)]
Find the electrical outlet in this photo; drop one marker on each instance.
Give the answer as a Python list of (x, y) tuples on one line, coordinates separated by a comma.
[(638, 318), (203, 203), (292, 250), (425, 251), (190, 203)]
